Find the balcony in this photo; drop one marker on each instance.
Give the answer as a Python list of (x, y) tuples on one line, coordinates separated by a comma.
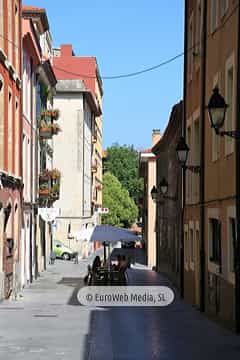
[(94, 137), (94, 166), (49, 184), (47, 175), (48, 127), (44, 191), (47, 130)]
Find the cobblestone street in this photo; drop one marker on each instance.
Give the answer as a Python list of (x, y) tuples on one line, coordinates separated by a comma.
[(48, 323)]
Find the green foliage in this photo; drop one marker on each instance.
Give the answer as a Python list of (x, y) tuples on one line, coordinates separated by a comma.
[(122, 209), (123, 162)]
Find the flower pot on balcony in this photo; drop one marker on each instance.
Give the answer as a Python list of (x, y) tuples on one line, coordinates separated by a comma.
[(44, 192), (44, 177), (55, 196), (55, 174), (46, 132)]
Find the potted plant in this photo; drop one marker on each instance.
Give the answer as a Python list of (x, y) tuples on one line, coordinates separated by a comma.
[(45, 175), (45, 130), (55, 191), (55, 174), (52, 113), (44, 190)]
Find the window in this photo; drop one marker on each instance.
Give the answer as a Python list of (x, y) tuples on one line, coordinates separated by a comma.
[(10, 132), (190, 48), (186, 247), (191, 244), (196, 159), (198, 27), (1, 24), (189, 174), (1, 122), (232, 242), (214, 15), (10, 30), (16, 48), (215, 241), (17, 138), (229, 122)]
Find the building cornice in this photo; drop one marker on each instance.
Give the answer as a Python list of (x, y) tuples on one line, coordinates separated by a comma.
[(11, 70), (36, 14), (8, 180)]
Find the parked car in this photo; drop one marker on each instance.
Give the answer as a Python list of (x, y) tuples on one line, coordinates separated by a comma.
[(62, 251)]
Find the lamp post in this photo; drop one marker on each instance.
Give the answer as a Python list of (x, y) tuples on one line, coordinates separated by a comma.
[(217, 111), (182, 150), (159, 193)]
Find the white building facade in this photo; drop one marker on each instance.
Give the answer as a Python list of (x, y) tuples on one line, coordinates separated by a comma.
[(73, 157)]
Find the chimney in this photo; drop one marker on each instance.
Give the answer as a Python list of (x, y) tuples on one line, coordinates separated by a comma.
[(156, 136), (66, 50)]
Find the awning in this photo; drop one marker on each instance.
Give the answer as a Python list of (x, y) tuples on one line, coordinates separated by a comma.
[(106, 233)]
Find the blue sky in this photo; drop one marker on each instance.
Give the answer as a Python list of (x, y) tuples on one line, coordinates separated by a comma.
[(126, 36)]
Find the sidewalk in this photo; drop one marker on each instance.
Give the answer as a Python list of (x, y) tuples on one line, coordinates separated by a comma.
[(45, 323)]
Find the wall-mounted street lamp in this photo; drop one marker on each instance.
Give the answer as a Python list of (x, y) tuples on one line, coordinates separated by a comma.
[(217, 108), (160, 193), (182, 150)]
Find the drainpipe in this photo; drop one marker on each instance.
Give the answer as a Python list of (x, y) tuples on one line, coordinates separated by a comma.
[(183, 134), (202, 159), (237, 148), (36, 178)]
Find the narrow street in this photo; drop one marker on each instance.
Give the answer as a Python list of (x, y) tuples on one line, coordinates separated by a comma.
[(58, 328)]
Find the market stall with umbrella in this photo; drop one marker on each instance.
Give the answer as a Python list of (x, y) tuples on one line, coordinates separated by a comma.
[(106, 234)]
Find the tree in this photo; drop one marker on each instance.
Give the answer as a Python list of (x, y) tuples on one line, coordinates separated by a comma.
[(122, 209), (123, 162)]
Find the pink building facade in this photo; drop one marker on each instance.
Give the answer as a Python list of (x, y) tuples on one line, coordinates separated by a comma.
[(10, 146)]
